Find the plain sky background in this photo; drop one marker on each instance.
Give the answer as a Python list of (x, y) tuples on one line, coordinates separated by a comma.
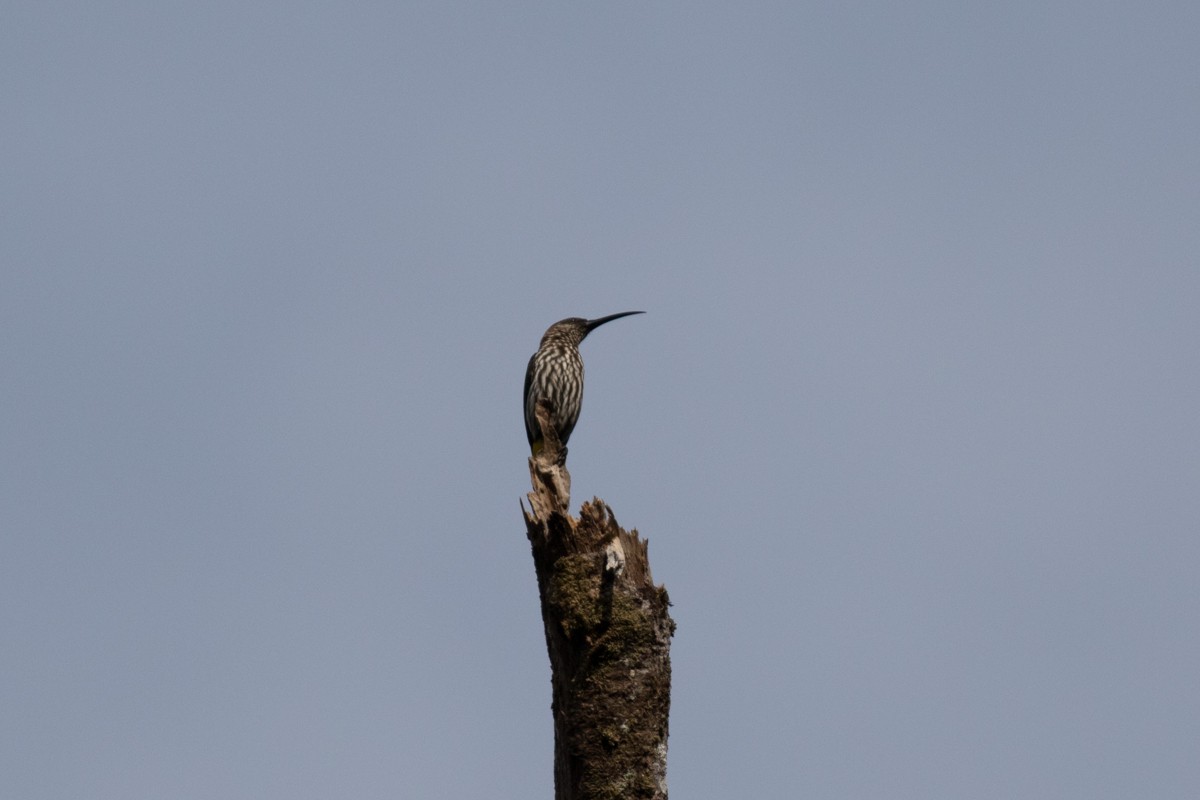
[(911, 424)]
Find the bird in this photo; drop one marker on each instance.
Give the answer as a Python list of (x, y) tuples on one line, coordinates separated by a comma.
[(555, 373)]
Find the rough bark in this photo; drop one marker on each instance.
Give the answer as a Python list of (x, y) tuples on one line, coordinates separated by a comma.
[(608, 633)]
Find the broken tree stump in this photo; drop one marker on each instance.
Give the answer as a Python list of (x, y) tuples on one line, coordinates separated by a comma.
[(608, 633)]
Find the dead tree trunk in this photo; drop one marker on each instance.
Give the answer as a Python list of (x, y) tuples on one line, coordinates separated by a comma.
[(609, 637)]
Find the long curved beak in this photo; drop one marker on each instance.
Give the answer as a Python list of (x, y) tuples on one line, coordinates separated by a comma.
[(592, 324)]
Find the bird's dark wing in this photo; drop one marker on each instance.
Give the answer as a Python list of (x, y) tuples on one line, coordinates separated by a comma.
[(530, 421)]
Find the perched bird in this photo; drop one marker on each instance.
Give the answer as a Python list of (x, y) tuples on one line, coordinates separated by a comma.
[(555, 373)]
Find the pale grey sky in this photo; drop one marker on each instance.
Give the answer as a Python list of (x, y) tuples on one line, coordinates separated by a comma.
[(910, 423)]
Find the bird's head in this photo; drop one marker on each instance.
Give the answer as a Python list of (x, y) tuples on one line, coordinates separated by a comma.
[(573, 330)]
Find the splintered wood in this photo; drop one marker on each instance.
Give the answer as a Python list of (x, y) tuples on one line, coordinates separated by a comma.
[(608, 635)]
